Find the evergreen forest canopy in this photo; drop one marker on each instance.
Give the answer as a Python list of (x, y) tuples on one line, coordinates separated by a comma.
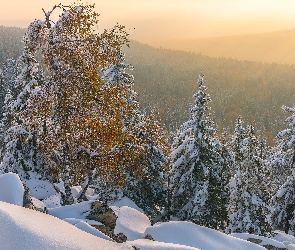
[(70, 114)]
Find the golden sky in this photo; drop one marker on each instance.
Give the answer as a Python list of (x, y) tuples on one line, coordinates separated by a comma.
[(168, 19)]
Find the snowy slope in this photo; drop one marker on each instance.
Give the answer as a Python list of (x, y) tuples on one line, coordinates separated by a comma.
[(189, 234), (25, 229)]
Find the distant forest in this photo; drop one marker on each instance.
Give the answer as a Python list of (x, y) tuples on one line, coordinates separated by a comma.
[(10, 42), (270, 47), (167, 79)]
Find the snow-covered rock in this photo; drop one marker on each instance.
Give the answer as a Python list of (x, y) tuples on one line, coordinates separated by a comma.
[(131, 222), (11, 189), (125, 201), (262, 241), (145, 244), (38, 204), (190, 234), (101, 212), (27, 229), (93, 213)]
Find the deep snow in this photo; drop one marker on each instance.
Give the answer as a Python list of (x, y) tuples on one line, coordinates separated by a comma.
[(187, 233), (11, 189), (26, 229), (68, 228)]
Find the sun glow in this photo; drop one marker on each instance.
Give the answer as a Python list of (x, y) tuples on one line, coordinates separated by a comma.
[(166, 19)]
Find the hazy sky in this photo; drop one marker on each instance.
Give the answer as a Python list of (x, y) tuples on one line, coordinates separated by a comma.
[(165, 19)]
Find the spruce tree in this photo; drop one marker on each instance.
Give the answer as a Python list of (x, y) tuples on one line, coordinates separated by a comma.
[(149, 190), (277, 168), (196, 182), (20, 142), (283, 201), (248, 206)]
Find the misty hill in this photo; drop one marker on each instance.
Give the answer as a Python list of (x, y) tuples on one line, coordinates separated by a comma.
[(10, 42), (276, 47), (167, 79)]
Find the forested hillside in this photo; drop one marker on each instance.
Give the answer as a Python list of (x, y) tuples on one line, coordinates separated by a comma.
[(166, 79), (265, 47), (10, 42)]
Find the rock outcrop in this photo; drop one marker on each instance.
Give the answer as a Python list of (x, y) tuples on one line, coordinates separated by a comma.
[(101, 212)]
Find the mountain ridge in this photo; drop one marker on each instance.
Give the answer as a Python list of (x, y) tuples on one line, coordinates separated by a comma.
[(269, 47)]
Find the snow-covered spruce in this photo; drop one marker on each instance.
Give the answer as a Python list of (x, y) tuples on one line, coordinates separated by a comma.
[(283, 201), (20, 140), (196, 174), (248, 208)]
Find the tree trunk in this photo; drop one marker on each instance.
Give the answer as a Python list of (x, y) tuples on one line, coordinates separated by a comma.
[(87, 182), (68, 197)]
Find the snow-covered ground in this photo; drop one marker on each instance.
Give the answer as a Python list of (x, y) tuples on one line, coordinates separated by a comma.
[(286, 239), (67, 227), (26, 229), (144, 244), (190, 234), (263, 240)]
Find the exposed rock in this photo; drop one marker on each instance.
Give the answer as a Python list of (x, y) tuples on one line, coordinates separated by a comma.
[(27, 200), (148, 237), (120, 237), (101, 212), (270, 247)]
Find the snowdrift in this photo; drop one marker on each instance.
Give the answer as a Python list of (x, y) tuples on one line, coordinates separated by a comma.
[(189, 234), (11, 189), (26, 229), (131, 222), (144, 244), (263, 240)]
